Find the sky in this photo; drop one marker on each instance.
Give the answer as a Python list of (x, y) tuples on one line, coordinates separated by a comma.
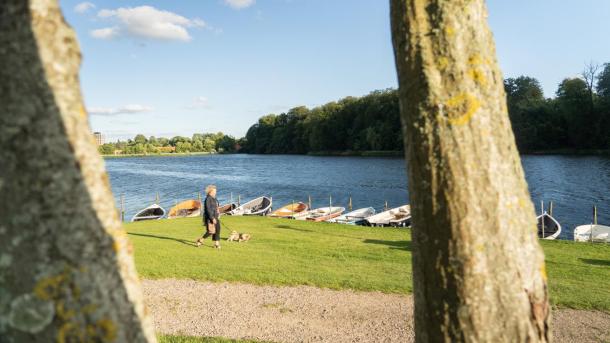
[(168, 68)]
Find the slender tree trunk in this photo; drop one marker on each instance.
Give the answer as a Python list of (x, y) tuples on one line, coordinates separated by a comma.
[(66, 267), (478, 271)]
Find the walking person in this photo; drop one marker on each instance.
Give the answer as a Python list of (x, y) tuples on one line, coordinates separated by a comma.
[(211, 219)]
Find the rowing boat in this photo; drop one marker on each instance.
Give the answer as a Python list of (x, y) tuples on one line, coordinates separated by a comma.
[(257, 207), (548, 227), (325, 213), (354, 217), (290, 210), (592, 233), (224, 209), (151, 212), (399, 216), (187, 208)]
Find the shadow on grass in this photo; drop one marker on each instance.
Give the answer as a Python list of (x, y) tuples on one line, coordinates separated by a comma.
[(604, 263), (183, 241), (401, 245), (288, 227)]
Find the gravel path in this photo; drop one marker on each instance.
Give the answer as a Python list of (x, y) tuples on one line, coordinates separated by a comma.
[(310, 314)]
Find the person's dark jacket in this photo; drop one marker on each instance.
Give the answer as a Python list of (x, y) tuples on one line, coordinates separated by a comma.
[(210, 209)]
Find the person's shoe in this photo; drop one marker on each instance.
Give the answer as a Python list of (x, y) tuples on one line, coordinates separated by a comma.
[(199, 242), (217, 247)]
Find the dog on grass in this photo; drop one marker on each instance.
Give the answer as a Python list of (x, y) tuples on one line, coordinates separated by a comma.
[(238, 237)]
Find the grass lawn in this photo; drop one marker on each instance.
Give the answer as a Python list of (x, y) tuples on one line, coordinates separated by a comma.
[(289, 252)]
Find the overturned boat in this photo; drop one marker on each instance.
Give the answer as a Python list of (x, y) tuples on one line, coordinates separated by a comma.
[(151, 212), (325, 213), (290, 210), (258, 207), (188, 208), (226, 208), (592, 233), (354, 217), (399, 217)]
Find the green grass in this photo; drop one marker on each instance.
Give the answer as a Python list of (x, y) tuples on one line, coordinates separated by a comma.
[(190, 339), (289, 252)]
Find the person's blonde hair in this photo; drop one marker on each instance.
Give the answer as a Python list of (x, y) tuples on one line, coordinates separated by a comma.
[(209, 188)]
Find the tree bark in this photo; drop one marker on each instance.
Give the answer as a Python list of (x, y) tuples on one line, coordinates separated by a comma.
[(478, 270), (66, 267)]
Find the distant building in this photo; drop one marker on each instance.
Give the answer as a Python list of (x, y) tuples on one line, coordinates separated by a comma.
[(99, 138)]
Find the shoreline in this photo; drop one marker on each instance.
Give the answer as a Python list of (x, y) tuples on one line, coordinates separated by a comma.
[(371, 153)]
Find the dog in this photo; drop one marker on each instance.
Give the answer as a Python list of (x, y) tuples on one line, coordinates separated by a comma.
[(234, 237), (244, 237)]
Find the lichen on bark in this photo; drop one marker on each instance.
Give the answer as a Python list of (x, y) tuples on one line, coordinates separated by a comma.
[(65, 261), (478, 270)]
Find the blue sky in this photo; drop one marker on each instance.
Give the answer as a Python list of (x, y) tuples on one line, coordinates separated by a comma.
[(169, 68)]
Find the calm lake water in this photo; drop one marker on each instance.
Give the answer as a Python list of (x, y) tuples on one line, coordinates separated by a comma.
[(574, 184)]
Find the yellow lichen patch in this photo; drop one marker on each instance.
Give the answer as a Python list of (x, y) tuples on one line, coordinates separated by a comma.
[(48, 288), (449, 31), (107, 330), (475, 60), (83, 112), (543, 271), (61, 311), (478, 76), (442, 63), (69, 332), (461, 108)]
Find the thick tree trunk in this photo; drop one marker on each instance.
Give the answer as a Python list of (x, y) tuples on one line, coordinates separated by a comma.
[(66, 269), (478, 271)]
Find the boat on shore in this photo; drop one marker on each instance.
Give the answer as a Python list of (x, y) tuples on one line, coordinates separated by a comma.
[(187, 208), (226, 208), (354, 217), (325, 213), (290, 210), (592, 233), (257, 207), (548, 226), (151, 212), (399, 216)]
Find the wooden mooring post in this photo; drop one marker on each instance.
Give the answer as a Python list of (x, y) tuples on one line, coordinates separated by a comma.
[(350, 204), (122, 208), (309, 203), (385, 207), (594, 223), (157, 199)]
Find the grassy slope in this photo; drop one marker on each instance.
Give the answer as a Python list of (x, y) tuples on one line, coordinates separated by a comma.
[(288, 252)]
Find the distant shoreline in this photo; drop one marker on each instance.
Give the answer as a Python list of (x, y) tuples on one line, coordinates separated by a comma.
[(390, 153), (164, 154)]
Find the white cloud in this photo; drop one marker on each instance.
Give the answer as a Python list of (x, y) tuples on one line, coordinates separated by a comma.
[(127, 109), (83, 7), (106, 33), (199, 102), (239, 4), (146, 22)]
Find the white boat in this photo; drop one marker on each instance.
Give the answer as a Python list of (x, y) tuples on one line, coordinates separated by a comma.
[(592, 233), (302, 215), (152, 212), (325, 213), (257, 207), (548, 227), (399, 216), (354, 217)]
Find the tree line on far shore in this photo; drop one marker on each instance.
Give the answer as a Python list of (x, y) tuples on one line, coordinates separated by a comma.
[(199, 142), (577, 118)]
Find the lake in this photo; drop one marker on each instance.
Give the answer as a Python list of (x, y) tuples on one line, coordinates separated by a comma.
[(573, 183)]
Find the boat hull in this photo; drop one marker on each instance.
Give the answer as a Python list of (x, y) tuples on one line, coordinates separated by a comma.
[(152, 212), (592, 233), (325, 213), (290, 211), (548, 227), (185, 209)]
